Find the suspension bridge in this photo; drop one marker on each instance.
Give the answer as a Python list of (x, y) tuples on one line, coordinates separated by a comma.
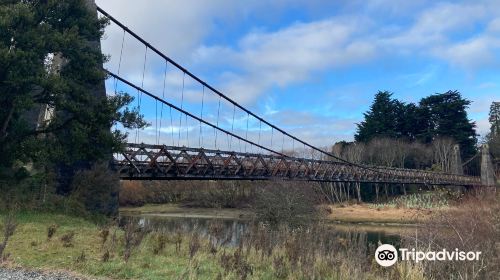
[(197, 132)]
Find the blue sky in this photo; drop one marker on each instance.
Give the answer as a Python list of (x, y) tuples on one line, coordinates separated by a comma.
[(313, 67)]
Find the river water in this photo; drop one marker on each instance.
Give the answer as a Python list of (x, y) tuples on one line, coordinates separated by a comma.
[(235, 229)]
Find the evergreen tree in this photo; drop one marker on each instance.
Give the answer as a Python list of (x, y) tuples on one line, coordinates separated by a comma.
[(494, 118), (50, 56), (494, 136), (445, 115), (382, 120)]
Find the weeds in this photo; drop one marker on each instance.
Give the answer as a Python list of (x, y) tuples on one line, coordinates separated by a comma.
[(103, 234), (67, 239), (8, 230), (51, 230), (105, 257), (473, 227), (81, 258), (160, 241), (194, 245), (177, 241), (279, 267), (133, 237)]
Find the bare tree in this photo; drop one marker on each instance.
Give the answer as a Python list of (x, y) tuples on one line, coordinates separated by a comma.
[(354, 153), (442, 149)]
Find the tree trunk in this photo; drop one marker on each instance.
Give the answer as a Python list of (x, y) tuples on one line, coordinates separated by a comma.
[(5, 125), (358, 189)]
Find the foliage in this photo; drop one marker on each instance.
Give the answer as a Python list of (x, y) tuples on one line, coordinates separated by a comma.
[(445, 116), (494, 135), (494, 118), (213, 194), (57, 116), (436, 116), (280, 203), (97, 189), (382, 120)]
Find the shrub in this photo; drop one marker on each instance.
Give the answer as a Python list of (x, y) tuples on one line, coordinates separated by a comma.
[(51, 230), (67, 239), (97, 188), (132, 193), (281, 203), (473, 227)]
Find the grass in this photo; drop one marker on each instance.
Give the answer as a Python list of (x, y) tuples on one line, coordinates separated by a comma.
[(294, 256), (426, 200), (30, 248)]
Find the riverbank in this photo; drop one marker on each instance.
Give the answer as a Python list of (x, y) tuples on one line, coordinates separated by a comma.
[(185, 256), (356, 213)]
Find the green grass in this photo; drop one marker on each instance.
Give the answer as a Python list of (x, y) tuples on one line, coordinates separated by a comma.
[(427, 200), (30, 248)]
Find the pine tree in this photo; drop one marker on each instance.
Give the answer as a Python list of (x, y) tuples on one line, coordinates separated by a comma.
[(382, 120), (494, 118)]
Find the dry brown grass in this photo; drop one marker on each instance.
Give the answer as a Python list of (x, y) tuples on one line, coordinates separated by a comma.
[(473, 226), (363, 213)]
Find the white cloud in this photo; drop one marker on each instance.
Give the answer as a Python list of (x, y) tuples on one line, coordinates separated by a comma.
[(472, 54), (288, 55)]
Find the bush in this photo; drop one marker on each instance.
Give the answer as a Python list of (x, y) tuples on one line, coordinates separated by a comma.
[(473, 227), (132, 193), (284, 203), (97, 188)]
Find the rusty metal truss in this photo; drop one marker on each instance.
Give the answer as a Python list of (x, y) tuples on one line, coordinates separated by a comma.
[(160, 162)]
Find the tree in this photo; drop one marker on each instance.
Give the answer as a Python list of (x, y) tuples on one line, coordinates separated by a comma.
[(49, 58), (494, 135), (442, 150), (494, 118), (445, 115), (381, 120)]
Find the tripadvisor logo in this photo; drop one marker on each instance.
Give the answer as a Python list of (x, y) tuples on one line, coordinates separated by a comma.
[(387, 255)]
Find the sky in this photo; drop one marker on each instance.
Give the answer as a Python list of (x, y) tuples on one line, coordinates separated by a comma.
[(310, 67)]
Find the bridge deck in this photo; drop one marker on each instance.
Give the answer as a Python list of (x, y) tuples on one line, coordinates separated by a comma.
[(160, 162)]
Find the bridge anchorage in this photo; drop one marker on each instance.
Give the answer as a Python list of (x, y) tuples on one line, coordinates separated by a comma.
[(215, 138)]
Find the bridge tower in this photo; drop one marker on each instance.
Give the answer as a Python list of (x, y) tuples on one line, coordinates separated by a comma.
[(456, 167), (487, 173)]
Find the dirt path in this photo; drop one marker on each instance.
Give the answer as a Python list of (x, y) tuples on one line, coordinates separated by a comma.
[(25, 274)]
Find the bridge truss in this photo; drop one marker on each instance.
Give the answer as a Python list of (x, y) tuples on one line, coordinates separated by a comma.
[(160, 162)]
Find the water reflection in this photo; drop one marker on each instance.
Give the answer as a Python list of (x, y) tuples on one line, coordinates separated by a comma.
[(232, 231)]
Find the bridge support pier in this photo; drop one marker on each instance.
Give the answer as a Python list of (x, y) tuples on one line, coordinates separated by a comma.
[(487, 174)]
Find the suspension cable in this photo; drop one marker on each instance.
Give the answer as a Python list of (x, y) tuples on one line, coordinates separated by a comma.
[(182, 111)]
